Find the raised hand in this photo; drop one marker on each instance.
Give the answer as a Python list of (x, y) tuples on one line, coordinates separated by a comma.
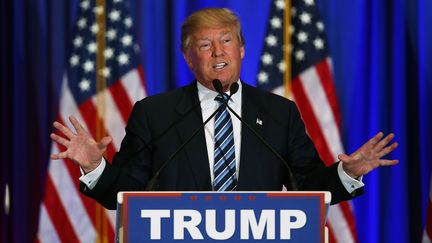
[(80, 146), (368, 157)]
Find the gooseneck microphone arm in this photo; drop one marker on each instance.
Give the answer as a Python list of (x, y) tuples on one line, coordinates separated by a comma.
[(292, 186), (153, 183)]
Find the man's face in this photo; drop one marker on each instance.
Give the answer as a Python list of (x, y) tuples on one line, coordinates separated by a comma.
[(215, 54)]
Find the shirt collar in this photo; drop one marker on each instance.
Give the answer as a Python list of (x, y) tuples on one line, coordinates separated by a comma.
[(207, 96)]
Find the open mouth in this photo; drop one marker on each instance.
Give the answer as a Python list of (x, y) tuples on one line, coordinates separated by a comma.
[(220, 66)]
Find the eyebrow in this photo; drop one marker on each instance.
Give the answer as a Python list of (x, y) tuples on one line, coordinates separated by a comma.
[(221, 34)]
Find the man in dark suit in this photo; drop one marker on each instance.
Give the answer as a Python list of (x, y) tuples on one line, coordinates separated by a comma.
[(213, 47)]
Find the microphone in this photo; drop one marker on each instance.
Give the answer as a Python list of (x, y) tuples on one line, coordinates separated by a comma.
[(154, 181), (292, 186)]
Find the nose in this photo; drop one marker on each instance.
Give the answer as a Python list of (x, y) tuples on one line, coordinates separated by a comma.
[(218, 50)]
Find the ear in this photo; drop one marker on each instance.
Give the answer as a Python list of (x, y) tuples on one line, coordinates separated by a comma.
[(187, 58), (242, 51)]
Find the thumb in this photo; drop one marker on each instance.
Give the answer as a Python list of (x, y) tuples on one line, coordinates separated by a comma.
[(344, 158), (104, 142)]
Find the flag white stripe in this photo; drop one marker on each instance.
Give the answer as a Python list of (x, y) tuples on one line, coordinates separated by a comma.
[(340, 228), (68, 107), (330, 64), (322, 110), (426, 238), (112, 119), (134, 86), (111, 215), (70, 199), (46, 233)]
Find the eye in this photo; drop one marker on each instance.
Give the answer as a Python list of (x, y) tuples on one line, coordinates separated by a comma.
[(226, 40), (204, 46)]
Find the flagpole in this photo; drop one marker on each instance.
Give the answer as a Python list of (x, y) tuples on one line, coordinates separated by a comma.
[(101, 74), (287, 49)]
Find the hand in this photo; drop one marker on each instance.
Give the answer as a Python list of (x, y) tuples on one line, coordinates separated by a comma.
[(368, 157), (80, 147)]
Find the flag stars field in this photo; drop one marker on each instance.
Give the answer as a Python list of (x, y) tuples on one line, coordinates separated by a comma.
[(276, 23), (271, 40)]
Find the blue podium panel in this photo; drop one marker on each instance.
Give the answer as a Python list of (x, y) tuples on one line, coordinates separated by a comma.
[(230, 217)]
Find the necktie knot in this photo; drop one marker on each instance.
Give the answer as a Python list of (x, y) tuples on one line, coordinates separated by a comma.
[(222, 99)]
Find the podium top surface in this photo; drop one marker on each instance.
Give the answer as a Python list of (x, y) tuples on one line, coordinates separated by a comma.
[(327, 194)]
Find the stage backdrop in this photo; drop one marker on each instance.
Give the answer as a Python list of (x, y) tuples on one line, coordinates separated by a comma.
[(381, 52)]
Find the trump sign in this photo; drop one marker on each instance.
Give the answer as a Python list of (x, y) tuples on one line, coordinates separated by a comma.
[(229, 216)]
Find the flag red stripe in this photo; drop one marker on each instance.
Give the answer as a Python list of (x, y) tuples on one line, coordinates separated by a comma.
[(89, 114), (429, 220), (332, 238), (311, 123), (122, 100), (326, 78), (58, 214), (349, 216)]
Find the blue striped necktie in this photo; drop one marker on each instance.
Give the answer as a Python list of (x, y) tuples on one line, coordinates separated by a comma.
[(225, 178)]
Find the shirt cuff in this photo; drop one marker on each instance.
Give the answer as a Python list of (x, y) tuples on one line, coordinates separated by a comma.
[(349, 183), (92, 177)]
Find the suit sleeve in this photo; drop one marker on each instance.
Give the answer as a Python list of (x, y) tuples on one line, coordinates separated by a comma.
[(309, 170), (131, 167)]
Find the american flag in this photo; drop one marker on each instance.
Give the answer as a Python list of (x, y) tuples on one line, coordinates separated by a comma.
[(312, 88), (65, 214), (427, 234)]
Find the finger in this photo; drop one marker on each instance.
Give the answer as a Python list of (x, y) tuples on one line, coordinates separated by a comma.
[(344, 158), (59, 139), (376, 138), (66, 131), (384, 142), (61, 155), (78, 127), (388, 162), (387, 150), (104, 142), (368, 146)]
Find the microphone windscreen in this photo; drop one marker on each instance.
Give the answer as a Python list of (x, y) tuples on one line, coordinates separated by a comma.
[(217, 85), (234, 88)]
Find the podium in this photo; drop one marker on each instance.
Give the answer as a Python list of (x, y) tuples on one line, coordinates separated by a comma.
[(222, 216)]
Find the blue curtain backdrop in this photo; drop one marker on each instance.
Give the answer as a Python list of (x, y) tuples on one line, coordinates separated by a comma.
[(381, 50)]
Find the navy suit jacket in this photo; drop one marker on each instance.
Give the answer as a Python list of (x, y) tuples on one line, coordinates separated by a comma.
[(159, 124)]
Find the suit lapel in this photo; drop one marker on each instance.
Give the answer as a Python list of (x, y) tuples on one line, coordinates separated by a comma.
[(250, 145), (196, 149)]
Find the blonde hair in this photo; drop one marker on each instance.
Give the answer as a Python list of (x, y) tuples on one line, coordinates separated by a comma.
[(209, 18)]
